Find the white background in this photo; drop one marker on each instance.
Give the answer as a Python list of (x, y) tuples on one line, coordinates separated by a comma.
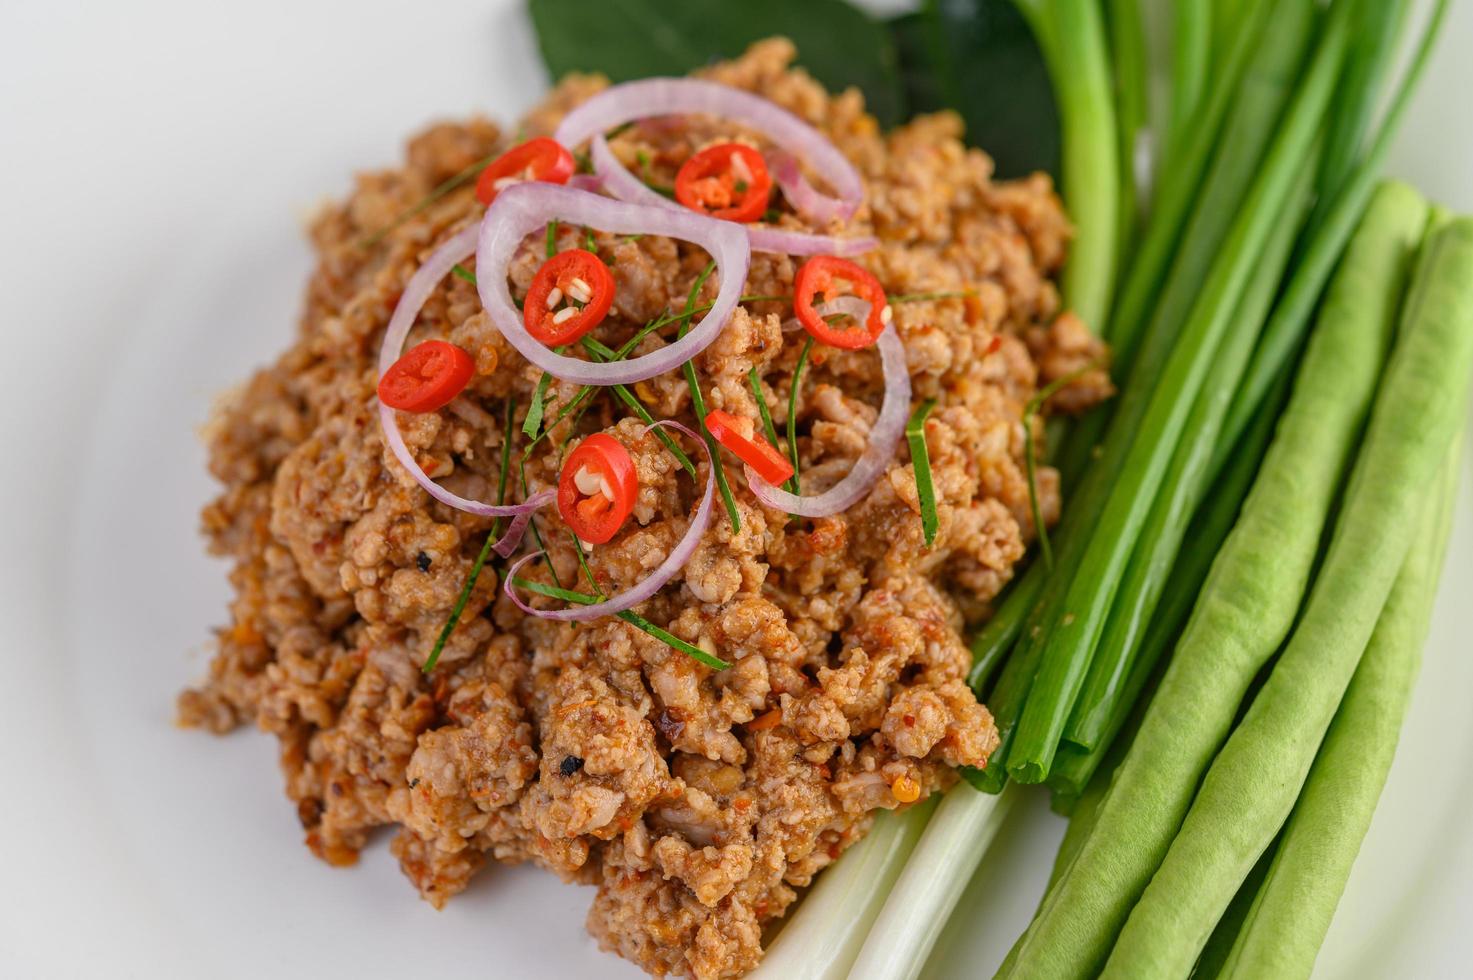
[(154, 161)]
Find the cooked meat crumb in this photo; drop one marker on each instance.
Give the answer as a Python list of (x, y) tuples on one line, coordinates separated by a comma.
[(698, 802)]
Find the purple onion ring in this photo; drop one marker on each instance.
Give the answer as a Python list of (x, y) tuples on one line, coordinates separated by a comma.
[(651, 583)]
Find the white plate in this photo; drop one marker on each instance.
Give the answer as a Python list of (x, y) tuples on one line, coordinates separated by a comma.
[(155, 157)]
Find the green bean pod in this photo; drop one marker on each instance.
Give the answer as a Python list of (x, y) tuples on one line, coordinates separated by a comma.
[(1282, 934), (1245, 610), (1253, 783)]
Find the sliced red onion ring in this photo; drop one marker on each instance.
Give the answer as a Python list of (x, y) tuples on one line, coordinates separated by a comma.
[(587, 182), (884, 436), (650, 584), (457, 249), (524, 208), (764, 238), (809, 201), (624, 103)]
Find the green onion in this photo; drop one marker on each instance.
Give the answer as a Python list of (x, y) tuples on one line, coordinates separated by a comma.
[(1030, 462), (956, 838), (589, 243), (637, 621), (445, 187), (552, 238), (920, 460), (1128, 45), (1190, 54), (470, 583), (822, 938), (1071, 637), (792, 421), (698, 402), (461, 272)]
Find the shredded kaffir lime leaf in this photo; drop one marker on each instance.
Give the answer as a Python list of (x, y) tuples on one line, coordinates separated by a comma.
[(920, 461)]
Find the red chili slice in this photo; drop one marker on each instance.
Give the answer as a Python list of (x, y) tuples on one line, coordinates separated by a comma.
[(740, 436), (729, 181), (427, 377), (543, 159), (828, 276), (569, 296), (596, 491)]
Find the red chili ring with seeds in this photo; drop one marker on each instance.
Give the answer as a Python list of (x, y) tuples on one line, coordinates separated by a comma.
[(570, 295), (597, 488), (729, 181)]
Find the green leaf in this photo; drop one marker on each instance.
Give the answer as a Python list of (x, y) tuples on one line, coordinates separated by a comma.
[(840, 45), (979, 58)]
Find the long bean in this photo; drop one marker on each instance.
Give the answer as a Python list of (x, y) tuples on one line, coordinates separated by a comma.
[(1219, 946), (1283, 334), (1180, 491), (1072, 636), (1245, 610), (1256, 777), (1319, 844)]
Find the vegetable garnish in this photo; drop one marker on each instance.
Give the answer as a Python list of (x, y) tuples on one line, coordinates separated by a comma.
[(633, 619), (533, 422), (739, 435), (794, 387), (698, 405), (597, 489), (427, 377), (652, 583), (829, 276), (456, 249), (727, 181), (1030, 464), (525, 208), (470, 581), (767, 427), (599, 352), (461, 272), (569, 296), (884, 436), (684, 96), (920, 460), (541, 159)]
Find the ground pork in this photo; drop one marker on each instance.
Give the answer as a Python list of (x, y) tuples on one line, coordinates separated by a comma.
[(699, 802)]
